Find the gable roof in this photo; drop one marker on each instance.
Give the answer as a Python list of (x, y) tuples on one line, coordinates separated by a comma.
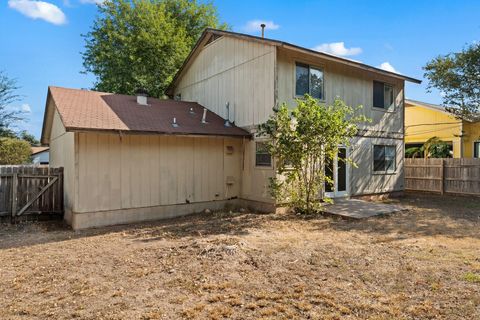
[(209, 32), (426, 105), (83, 110), (436, 107)]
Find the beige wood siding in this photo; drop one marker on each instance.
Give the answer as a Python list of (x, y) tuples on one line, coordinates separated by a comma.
[(255, 183), (236, 71), (134, 171), (62, 154), (353, 86), (363, 180)]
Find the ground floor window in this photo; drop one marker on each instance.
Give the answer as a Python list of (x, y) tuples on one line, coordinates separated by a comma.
[(262, 156), (476, 149), (384, 158)]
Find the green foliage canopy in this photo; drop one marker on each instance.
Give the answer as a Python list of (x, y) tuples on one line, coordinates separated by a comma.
[(301, 141), (432, 148), (14, 151), (137, 44), (457, 76), (30, 138)]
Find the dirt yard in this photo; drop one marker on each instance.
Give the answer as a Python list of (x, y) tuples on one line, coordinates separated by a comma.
[(420, 264)]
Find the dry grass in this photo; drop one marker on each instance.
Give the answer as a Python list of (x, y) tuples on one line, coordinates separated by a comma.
[(420, 264)]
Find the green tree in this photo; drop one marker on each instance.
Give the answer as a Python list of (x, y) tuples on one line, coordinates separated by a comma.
[(457, 76), (432, 148), (30, 138), (14, 151), (8, 96), (137, 44), (301, 141)]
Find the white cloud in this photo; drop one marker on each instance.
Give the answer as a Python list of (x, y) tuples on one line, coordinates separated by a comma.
[(26, 108), (254, 25), (338, 49), (39, 10), (92, 1), (387, 67)]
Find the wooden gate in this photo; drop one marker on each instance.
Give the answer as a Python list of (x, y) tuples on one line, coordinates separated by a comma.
[(27, 190)]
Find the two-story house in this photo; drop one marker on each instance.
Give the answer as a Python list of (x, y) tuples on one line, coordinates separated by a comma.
[(130, 158), (251, 75)]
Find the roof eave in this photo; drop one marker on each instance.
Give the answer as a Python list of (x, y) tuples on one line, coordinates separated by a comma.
[(43, 138), (169, 90), (350, 62), (143, 132)]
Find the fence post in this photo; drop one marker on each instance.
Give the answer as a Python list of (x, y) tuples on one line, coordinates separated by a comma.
[(14, 195), (442, 176)]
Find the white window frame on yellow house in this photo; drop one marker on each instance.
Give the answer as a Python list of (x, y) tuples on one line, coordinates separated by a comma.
[(475, 153)]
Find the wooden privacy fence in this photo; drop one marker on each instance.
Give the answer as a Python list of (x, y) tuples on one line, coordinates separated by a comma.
[(459, 176), (28, 190)]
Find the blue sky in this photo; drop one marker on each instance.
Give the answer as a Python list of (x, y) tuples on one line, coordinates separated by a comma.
[(41, 43)]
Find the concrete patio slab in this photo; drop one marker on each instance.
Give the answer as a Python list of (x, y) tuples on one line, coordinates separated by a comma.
[(360, 209)]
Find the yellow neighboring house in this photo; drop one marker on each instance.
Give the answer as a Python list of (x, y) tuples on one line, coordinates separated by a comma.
[(424, 121)]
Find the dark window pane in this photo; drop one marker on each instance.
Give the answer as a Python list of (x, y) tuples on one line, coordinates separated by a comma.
[(379, 165), (329, 173), (342, 170), (263, 160), (379, 158), (379, 152), (316, 83), (476, 149), (390, 158), (301, 82), (262, 156), (388, 103), (378, 94), (390, 165)]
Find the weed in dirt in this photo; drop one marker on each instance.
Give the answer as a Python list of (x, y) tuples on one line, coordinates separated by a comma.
[(472, 277)]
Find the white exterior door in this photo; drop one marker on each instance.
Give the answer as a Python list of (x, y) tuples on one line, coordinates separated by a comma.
[(338, 171)]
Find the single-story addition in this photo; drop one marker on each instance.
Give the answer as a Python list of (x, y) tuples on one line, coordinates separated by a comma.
[(130, 158)]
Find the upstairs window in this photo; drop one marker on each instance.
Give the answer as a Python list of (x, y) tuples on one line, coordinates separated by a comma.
[(382, 95), (308, 80), (384, 159), (262, 156)]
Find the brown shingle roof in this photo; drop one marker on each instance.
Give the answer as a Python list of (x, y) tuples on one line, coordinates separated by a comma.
[(92, 110), (36, 150)]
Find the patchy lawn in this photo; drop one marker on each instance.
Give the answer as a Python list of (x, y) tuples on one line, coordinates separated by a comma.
[(419, 264)]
